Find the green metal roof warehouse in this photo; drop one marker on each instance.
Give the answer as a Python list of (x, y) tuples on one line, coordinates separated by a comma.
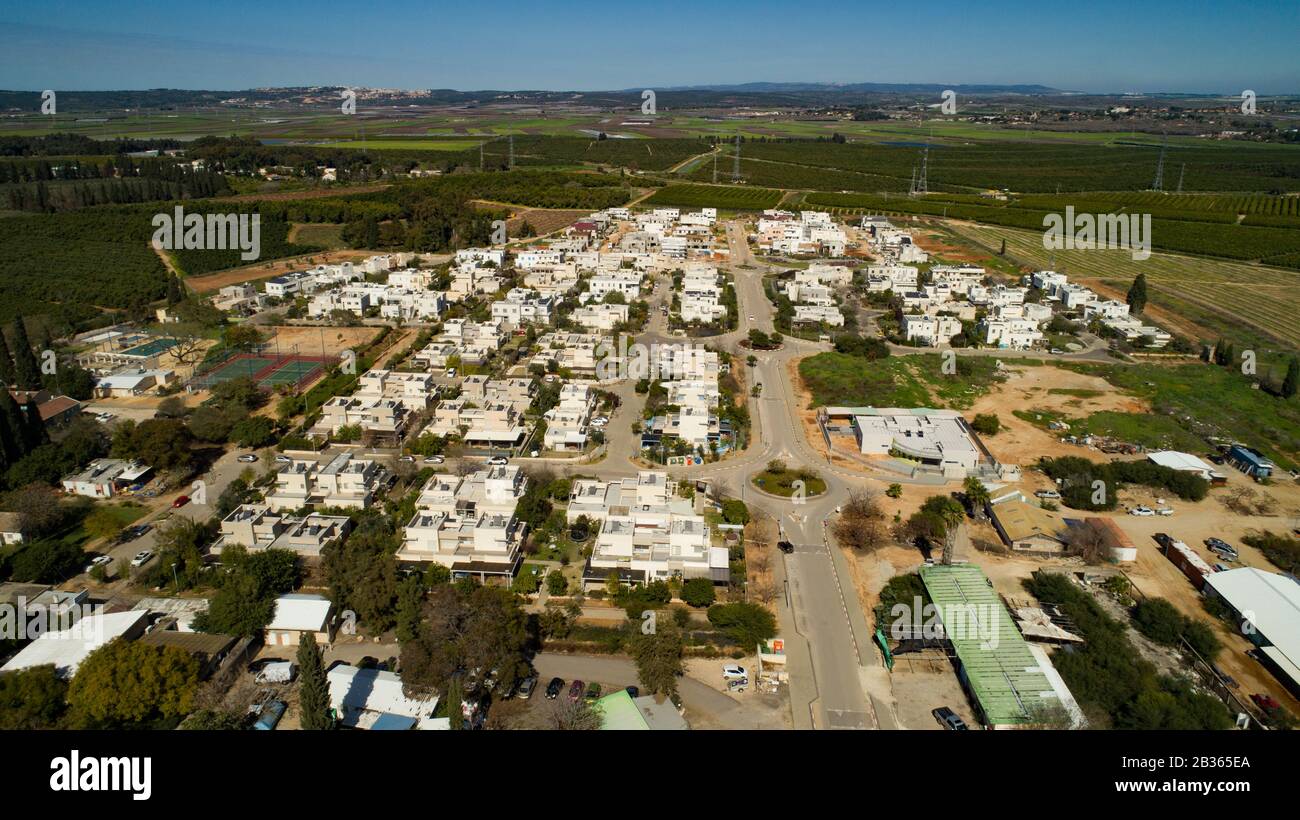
[(1006, 679)]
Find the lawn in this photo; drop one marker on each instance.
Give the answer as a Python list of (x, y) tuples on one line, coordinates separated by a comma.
[(1205, 400), (783, 482), (899, 381)]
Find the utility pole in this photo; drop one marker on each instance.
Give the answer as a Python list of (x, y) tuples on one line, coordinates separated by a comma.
[(1158, 184)]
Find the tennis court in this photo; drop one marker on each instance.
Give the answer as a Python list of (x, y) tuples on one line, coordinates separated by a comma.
[(269, 371), (291, 372), (237, 367), (150, 348)]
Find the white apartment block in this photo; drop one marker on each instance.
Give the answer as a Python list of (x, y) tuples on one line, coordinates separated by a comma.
[(256, 527), (931, 329), (646, 533), (468, 524), (1013, 334), (825, 314), (600, 316), (522, 306), (344, 481), (566, 422), (897, 278), (577, 352)]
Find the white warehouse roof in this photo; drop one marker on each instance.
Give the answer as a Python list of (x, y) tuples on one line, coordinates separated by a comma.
[(1268, 600)]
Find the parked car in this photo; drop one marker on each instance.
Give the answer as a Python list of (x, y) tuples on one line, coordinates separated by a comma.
[(526, 687), (498, 461), (576, 689), (949, 719), (1142, 511), (283, 459), (1221, 567), (1056, 351), (593, 691), (406, 459), (98, 561), (1052, 494), (734, 671), (1220, 546), (785, 546), (181, 501), (1165, 511), (269, 715), (553, 688), (434, 460), (600, 421), (632, 691), (141, 558), (451, 372), (1266, 702), (247, 458), (132, 533)]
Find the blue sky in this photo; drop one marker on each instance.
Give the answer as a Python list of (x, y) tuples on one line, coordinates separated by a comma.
[(1152, 45)]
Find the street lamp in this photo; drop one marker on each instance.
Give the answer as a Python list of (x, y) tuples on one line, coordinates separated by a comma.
[(175, 579)]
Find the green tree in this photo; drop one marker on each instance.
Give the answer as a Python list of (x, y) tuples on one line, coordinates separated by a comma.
[(7, 373), (128, 683), (27, 371), (1292, 381), (556, 583), (698, 592), (313, 689), (254, 431), (1137, 294), (32, 698), (658, 656), (745, 623), (101, 523)]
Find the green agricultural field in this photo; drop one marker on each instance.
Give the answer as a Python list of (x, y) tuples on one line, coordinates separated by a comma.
[(731, 198), (1204, 400), (899, 381), (1220, 295), (406, 144)]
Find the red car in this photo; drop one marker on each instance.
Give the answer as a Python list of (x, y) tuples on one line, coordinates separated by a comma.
[(576, 689), (181, 502), (1265, 702)]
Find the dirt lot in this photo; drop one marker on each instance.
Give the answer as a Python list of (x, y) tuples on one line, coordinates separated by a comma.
[(934, 245), (1019, 442), (265, 270), (310, 339)]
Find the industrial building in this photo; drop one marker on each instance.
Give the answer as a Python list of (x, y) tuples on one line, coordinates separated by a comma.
[(1012, 685), (1268, 605)]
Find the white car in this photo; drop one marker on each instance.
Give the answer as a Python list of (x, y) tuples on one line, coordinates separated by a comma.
[(406, 459), (599, 421), (98, 561), (451, 372), (434, 460), (1142, 511), (247, 458), (1047, 494), (498, 461), (141, 558), (283, 459), (751, 318), (1165, 511), (734, 671)]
